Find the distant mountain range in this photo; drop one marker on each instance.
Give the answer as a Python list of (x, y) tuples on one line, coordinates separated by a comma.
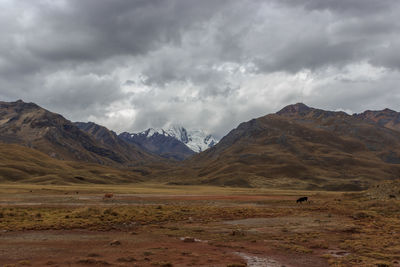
[(30, 125), (164, 145), (176, 142), (298, 147)]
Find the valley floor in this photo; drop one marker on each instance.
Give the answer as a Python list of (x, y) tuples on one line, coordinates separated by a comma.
[(156, 225)]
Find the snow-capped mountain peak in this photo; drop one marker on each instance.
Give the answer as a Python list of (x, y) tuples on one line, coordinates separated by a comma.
[(196, 140), (150, 132)]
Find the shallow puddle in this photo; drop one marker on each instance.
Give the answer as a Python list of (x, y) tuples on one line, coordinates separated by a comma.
[(254, 261)]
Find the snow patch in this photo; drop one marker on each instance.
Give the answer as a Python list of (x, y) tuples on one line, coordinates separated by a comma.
[(196, 140)]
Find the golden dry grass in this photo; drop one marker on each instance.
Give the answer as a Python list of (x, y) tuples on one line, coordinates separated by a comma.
[(25, 165)]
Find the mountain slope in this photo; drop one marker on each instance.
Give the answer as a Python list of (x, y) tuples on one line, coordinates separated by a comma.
[(386, 118), (30, 125), (27, 165), (163, 145), (302, 147), (109, 139)]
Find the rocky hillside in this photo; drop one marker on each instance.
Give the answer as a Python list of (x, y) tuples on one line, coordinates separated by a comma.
[(161, 144), (386, 118), (302, 147), (110, 140), (30, 125)]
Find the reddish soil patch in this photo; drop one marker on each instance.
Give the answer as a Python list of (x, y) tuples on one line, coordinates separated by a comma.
[(143, 248), (83, 248)]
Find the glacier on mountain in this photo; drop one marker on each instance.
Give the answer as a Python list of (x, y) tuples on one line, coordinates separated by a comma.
[(196, 140)]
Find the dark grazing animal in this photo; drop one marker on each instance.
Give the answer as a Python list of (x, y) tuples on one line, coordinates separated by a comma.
[(108, 195), (300, 200)]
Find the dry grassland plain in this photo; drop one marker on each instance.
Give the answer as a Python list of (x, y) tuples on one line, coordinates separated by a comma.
[(161, 225)]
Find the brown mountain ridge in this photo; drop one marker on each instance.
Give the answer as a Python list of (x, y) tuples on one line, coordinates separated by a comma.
[(305, 148), (298, 147), (30, 125)]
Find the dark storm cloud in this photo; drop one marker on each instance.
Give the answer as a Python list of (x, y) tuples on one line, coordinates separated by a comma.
[(334, 33), (97, 29), (208, 64)]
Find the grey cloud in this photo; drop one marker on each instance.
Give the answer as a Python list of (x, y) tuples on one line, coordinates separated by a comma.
[(310, 54), (151, 118), (388, 56), (97, 29), (81, 95), (358, 96), (129, 82), (352, 7)]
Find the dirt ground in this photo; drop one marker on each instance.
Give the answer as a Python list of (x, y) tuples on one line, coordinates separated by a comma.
[(71, 227)]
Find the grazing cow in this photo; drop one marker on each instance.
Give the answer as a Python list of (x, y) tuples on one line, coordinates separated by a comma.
[(300, 200), (108, 195)]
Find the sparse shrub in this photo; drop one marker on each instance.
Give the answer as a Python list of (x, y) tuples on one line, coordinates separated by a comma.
[(296, 248), (363, 215), (115, 243), (352, 229), (326, 256), (93, 255), (93, 261), (189, 239), (24, 263), (318, 245), (238, 233), (87, 213), (126, 259), (162, 264), (110, 212)]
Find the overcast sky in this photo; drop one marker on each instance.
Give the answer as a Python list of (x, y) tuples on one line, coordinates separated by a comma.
[(207, 64)]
